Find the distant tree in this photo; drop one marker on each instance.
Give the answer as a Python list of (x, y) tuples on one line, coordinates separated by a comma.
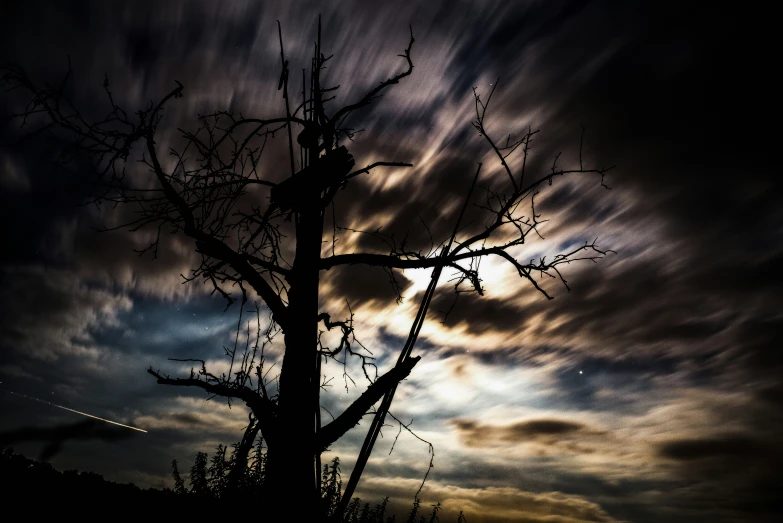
[(218, 470), (331, 488), (198, 476), (67, 493), (264, 227), (380, 510), (351, 514), (179, 485)]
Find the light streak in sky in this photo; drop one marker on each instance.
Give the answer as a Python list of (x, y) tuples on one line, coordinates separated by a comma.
[(75, 411)]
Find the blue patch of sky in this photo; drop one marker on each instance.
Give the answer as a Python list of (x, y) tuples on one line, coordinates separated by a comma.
[(198, 328), (579, 382), (393, 344), (572, 243)]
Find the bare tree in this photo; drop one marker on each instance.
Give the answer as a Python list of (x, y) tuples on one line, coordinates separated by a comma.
[(248, 220)]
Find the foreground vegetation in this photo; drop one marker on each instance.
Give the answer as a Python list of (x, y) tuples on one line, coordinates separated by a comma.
[(71, 492)]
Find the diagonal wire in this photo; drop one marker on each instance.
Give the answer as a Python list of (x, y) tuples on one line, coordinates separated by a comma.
[(383, 409)]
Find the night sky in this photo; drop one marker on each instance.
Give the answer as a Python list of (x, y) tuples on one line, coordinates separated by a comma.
[(650, 392)]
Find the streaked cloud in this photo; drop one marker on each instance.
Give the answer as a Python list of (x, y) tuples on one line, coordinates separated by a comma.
[(650, 392)]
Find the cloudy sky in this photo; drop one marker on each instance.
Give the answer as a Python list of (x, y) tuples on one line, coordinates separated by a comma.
[(650, 392)]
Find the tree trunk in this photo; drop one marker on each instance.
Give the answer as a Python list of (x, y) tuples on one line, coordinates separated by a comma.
[(290, 466)]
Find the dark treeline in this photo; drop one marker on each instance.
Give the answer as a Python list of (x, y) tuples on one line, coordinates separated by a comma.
[(209, 489), (35, 487)]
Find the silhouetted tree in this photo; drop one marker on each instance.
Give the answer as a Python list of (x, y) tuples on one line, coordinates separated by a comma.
[(198, 476), (218, 469), (247, 221), (352, 511), (380, 510), (179, 485), (331, 488)]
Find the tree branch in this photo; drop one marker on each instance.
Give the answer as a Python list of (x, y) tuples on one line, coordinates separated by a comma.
[(377, 164), (370, 96), (264, 409), (353, 414), (209, 244)]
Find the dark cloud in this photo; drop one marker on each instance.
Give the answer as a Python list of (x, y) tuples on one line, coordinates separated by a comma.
[(420, 209), (546, 431), (55, 437), (772, 394), (111, 257), (187, 418), (479, 314), (734, 475), (72, 310), (717, 448), (546, 427), (362, 285)]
